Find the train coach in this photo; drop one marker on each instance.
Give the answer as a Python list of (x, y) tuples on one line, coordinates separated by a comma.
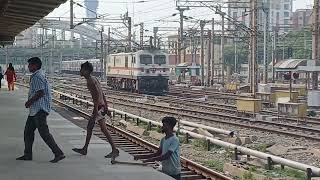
[(144, 71)]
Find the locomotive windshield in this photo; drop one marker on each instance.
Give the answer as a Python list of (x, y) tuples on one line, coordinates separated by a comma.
[(145, 59), (159, 59)]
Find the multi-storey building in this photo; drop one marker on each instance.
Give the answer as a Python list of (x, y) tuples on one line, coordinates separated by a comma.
[(301, 18), (280, 12)]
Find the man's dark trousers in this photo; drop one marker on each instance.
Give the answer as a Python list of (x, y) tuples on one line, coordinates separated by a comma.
[(39, 121)]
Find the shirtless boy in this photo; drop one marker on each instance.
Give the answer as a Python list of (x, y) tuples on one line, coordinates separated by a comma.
[(99, 110)]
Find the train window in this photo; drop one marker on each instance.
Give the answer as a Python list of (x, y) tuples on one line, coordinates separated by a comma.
[(145, 59), (126, 61), (114, 61), (134, 59), (159, 59)]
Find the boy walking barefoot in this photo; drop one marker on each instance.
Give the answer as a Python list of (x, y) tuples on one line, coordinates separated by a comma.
[(99, 110)]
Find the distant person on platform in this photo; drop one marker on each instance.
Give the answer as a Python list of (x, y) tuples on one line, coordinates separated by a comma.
[(11, 77), (1, 76), (100, 109), (168, 152), (39, 104)]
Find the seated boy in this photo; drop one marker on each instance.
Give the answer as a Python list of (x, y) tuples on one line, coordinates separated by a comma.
[(169, 150)]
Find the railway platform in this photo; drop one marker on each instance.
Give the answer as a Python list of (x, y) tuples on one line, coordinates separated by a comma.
[(67, 135)]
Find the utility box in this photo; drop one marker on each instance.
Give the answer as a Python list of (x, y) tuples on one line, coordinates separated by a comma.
[(283, 96), (249, 105), (266, 97), (292, 110), (301, 90), (232, 87), (314, 98), (264, 88)]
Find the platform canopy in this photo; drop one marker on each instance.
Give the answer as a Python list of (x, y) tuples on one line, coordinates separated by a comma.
[(18, 15), (301, 65), (290, 63)]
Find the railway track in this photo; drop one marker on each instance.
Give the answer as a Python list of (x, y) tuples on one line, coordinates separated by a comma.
[(88, 99), (218, 116), (210, 112), (137, 146)]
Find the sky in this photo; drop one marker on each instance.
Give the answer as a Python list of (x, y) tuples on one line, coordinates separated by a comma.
[(153, 13)]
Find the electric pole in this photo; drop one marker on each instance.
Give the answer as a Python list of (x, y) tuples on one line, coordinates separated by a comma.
[(155, 31), (71, 14), (222, 48), (107, 54), (181, 39), (265, 37), (129, 32), (209, 58), (41, 42), (141, 34), (102, 54), (212, 51), (202, 24), (315, 41), (253, 45), (274, 51), (235, 54)]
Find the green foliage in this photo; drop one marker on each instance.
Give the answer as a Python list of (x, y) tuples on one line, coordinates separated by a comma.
[(287, 172), (229, 153), (158, 129), (183, 140), (200, 143), (253, 169), (295, 40), (217, 165), (247, 176), (261, 147)]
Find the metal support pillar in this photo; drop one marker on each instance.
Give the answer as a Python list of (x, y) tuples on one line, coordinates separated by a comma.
[(209, 59), (107, 53), (180, 38), (315, 41), (71, 14), (155, 32), (202, 24), (222, 49), (265, 47), (212, 52), (274, 51), (235, 54), (253, 45), (129, 33), (102, 54), (141, 35), (41, 42)]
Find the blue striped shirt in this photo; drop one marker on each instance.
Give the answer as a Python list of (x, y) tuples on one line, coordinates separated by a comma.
[(39, 82)]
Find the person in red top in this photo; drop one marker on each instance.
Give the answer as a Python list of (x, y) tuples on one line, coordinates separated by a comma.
[(11, 77)]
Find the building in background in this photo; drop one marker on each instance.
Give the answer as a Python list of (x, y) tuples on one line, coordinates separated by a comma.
[(280, 13), (301, 18), (91, 9)]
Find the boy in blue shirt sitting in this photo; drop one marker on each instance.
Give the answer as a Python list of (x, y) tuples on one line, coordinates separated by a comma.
[(169, 150)]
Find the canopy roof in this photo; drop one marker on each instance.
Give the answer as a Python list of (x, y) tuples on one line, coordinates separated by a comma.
[(18, 15)]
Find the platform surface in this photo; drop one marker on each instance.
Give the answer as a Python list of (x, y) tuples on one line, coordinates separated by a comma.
[(94, 166)]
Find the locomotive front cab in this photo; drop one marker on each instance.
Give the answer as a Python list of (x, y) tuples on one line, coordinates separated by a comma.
[(153, 85)]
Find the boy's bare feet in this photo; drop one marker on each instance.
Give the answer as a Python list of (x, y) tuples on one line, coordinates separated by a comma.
[(58, 158), (80, 151), (113, 154)]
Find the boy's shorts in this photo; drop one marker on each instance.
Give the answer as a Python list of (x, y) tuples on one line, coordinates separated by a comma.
[(98, 118)]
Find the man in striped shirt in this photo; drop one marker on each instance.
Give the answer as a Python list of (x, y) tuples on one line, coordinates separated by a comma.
[(39, 104)]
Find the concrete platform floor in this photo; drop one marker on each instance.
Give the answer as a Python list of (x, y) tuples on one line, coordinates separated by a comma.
[(75, 167)]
